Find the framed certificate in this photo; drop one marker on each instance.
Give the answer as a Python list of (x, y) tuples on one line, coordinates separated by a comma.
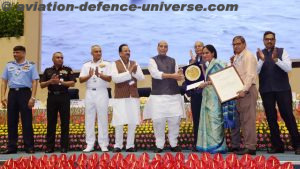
[(227, 83), (194, 75)]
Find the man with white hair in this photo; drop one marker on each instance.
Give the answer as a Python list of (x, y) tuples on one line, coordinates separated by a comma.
[(96, 74), (165, 103), (196, 94)]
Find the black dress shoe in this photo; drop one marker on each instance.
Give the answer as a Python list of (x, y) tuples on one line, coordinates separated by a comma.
[(30, 151), (297, 151), (9, 152), (64, 150), (176, 149), (233, 149), (117, 150), (194, 149), (131, 149), (246, 151), (49, 150), (275, 150), (158, 150)]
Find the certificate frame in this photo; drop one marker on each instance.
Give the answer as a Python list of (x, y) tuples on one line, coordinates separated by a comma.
[(227, 82)]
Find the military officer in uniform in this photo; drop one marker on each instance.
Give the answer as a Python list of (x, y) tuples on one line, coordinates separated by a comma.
[(58, 79), (21, 77), (96, 74)]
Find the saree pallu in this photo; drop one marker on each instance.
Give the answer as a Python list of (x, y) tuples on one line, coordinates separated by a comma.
[(211, 134)]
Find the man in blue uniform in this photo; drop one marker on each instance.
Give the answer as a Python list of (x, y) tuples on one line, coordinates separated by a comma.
[(21, 77), (58, 79)]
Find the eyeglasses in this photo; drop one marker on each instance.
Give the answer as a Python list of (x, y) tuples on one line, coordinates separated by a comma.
[(269, 39), (60, 57)]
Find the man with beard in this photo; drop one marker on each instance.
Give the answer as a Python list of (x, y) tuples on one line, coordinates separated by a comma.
[(274, 87)]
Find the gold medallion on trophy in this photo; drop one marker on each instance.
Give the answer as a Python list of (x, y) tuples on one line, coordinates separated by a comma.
[(192, 73)]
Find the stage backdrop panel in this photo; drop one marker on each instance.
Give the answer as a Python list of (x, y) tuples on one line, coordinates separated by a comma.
[(74, 32)]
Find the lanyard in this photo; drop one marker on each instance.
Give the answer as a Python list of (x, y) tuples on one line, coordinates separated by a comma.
[(126, 68), (131, 82)]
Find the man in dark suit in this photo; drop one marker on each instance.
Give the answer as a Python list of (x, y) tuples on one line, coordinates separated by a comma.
[(274, 87), (196, 94)]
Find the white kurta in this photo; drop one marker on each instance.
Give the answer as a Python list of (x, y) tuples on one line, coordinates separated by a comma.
[(161, 106), (126, 110), (285, 63)]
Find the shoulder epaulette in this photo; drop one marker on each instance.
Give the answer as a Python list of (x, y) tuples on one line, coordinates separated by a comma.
[(68, 67), (11, 62), (31, 63)]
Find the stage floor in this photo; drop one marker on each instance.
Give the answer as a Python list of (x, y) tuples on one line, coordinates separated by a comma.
[(288, 156)]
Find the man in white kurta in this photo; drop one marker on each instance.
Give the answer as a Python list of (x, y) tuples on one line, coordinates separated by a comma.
[(165, 103), (126, 105), (96, 74)]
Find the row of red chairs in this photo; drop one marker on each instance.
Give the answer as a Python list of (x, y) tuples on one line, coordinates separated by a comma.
[(131, 161)]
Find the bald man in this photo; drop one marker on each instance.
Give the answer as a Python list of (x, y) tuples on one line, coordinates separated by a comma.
[(165, 103), (96, 74), (58, 79)]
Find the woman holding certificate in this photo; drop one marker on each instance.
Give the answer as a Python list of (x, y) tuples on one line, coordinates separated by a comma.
[(211, 136)]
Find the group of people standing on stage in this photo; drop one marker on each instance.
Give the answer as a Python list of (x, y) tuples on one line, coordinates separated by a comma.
[(272, 65), (165, 103)]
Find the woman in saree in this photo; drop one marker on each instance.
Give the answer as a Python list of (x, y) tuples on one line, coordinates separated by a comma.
[(211, 134)]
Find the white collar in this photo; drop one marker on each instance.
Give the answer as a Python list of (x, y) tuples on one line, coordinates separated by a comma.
[(237, 57), (99, 61)]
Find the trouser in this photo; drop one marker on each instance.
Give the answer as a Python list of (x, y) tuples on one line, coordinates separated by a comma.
[(159, 131), (58, 103), (130, 136), (246, 108), (284, 102), (196, 100), (235, 133), (18, 102), (96, 102)]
